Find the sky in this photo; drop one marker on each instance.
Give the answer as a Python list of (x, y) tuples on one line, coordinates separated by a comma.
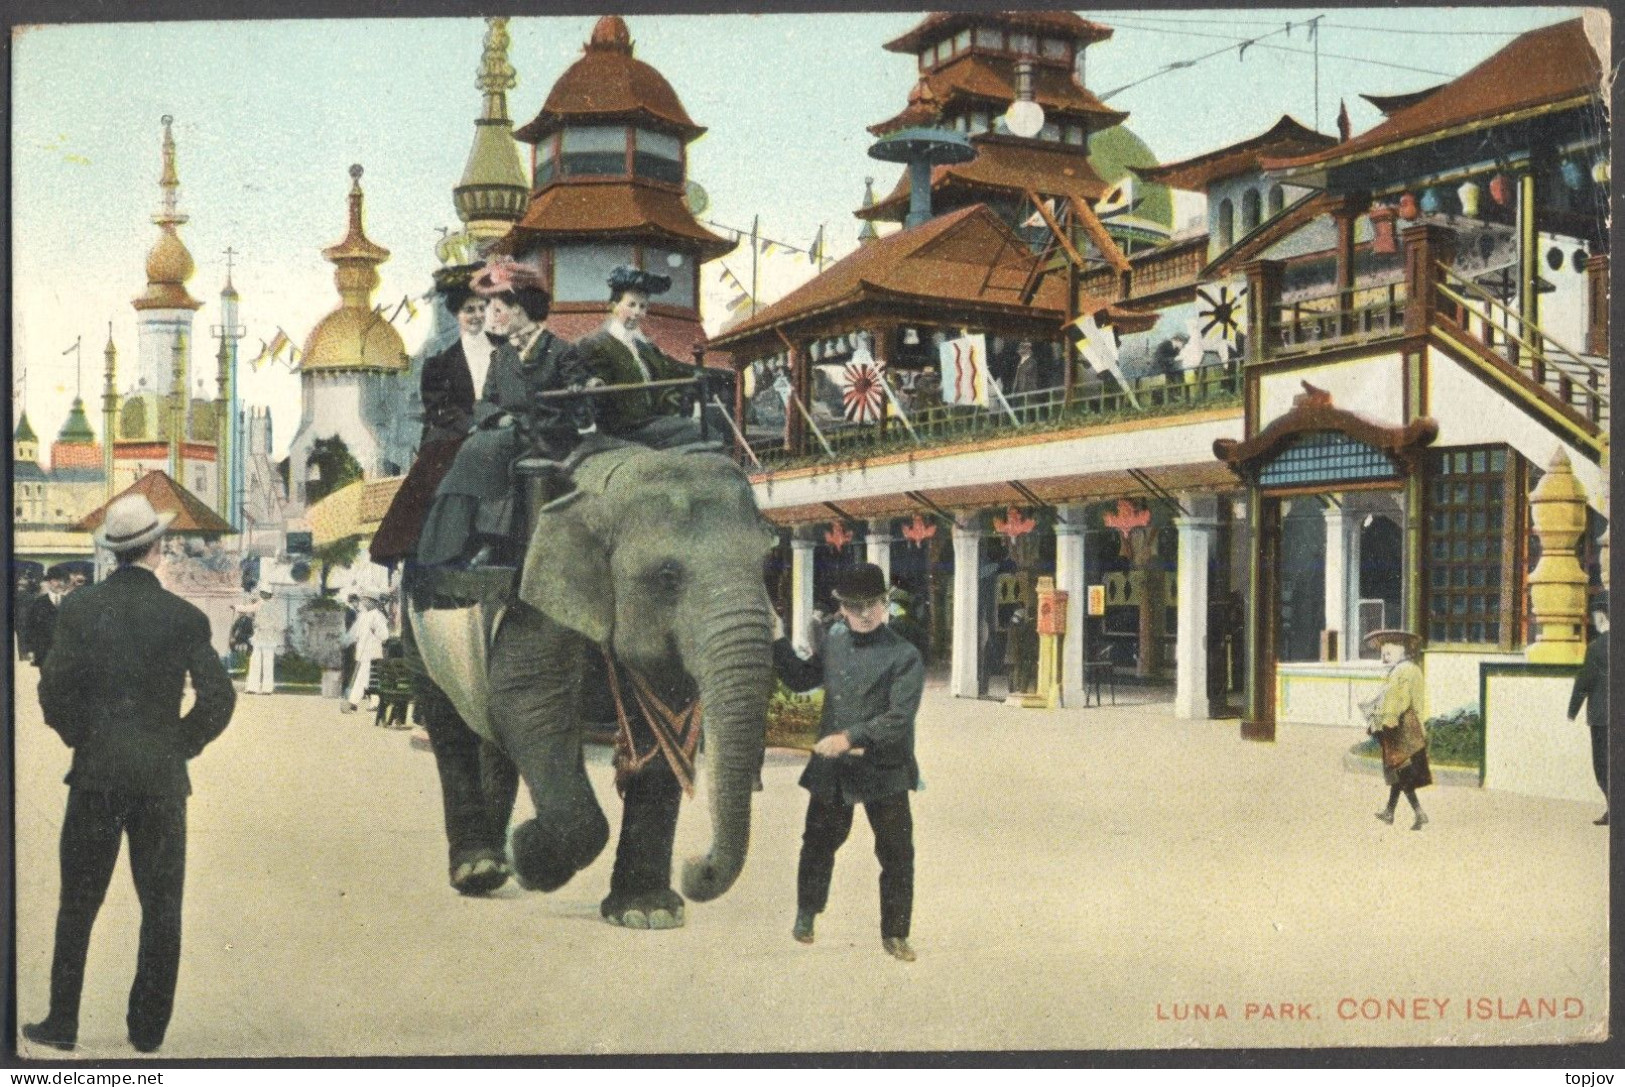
[(269, 116)]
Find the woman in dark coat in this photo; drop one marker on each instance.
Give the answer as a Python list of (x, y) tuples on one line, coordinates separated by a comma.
[(474, 504), (451, 381)]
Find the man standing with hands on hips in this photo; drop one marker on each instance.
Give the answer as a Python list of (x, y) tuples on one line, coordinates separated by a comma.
[(112, 689), (872, 680)]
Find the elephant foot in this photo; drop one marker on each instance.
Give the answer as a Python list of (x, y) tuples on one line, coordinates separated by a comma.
[(651, 910), (479, 875), (544, 859)]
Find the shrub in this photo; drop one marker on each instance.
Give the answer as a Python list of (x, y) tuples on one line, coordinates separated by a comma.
[(292, 668), (1454, 739)]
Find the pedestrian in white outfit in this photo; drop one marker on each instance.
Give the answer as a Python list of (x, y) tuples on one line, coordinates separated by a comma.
[(266, 643), (368, 634)]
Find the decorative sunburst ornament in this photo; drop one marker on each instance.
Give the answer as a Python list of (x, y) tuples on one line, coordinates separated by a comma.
[(1223, 315), (861, 394)]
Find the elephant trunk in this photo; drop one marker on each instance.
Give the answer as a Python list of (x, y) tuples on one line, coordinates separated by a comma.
[(734, 670)]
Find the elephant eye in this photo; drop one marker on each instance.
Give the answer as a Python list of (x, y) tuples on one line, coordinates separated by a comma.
[(668, 576)]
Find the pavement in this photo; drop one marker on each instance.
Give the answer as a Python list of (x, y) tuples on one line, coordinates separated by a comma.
[(1102, 878)]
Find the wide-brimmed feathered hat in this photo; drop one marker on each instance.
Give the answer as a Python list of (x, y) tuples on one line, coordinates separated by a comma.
[(502, 274), (624, 277), (454, 277), (131, 523)]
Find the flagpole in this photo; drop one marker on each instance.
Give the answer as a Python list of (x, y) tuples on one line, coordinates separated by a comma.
[(754, 222), (1008, 410), (885, 383), (728, 418), (807, 415)]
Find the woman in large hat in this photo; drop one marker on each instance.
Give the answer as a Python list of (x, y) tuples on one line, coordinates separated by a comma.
[(621, 353), (473, 506), (1396, 715)]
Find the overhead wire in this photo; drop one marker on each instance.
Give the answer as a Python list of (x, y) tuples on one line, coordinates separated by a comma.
[(1143, 17)]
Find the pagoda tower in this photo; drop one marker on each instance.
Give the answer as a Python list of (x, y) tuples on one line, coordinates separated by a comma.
[(352, 367), (973, 66), (609, 163)]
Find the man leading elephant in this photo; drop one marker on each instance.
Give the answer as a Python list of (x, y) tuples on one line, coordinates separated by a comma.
[(872, 680)]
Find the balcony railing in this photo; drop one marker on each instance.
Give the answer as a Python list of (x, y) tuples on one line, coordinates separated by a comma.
[(1206, 386), (1576, 380), (1336, 319)]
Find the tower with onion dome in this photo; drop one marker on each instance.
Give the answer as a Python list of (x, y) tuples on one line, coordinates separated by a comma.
[(352, 369), (610, 168)]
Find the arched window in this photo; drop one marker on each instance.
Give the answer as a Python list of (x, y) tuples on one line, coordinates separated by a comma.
[(1249, 211), (1277, 200), (1227, 224)]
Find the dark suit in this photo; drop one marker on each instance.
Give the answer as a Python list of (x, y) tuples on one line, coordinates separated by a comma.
[(41, 621), (1591, 688), (623, 414), (112, 688), (872, 687)]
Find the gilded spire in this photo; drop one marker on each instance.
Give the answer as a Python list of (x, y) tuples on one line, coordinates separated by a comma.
[(109, 411), (868, 233), (169, 265), (354, 337), (356, 256), (492, 194)]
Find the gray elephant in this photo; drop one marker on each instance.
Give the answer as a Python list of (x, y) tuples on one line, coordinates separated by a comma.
[(658, 556)]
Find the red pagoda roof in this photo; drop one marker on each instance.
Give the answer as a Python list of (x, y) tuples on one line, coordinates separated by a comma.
[(603, 209), (1553, 67), (983, 79), (1286, 138), (942, 263), (192, 514), (1007, 167), (609, 84), (940, 24)]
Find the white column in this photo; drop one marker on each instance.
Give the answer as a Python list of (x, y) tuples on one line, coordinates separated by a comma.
[(801, 590), (1190, 667), (1072, 578), (877, 547), (967, 608), (1339, 595)]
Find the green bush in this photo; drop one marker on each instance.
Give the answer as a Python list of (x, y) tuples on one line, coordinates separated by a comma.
[(292, 668), (792, 719), (1454, 739)]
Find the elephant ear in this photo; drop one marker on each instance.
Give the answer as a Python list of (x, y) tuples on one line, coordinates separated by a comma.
[(567, 568)]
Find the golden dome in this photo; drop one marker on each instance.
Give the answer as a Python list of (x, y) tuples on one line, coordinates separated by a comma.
[(169, 265), (354, 339)]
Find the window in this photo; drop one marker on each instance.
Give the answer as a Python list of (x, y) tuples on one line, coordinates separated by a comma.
[(925, 59), (657, 155), (1023, 45), (978, 122), (960, 123), (680, 267), (1470, 582), (989, 37), (598, 150), (547, 164), (1051, 132), (1057, 49), (1227, 224), (962, 40), (1277, 200), (1074, 135), (1249, 211), (581, 272)]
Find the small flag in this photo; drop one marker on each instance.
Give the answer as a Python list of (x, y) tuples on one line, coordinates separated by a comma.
[(767, 247), (1036, 219), (739, 302), (964, 370), (1099, 346), (861, 395), (273, 350), (1241, 53), (292, 361), (74, 346), (815, 254), (1119, 199)]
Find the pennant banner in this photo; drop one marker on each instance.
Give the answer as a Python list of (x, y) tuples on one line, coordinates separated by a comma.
[(964, 371)]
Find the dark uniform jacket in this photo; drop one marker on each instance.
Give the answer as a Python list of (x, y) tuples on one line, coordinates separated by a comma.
[(610, 360), (112, 685), (872, 686), (40, 622), (1591, 685)]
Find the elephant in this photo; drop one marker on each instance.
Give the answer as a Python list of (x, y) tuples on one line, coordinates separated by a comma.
[(657, 557)]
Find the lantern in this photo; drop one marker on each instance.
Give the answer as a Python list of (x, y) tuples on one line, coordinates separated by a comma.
[(1599, 171), (1432, 200), (1407, 206), (1468, 195), (1573, 176), (1501, 189)]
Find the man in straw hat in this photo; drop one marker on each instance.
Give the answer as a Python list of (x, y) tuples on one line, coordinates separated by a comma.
[(112, 689), (872, 681), (1396, 716), (1591, 690)]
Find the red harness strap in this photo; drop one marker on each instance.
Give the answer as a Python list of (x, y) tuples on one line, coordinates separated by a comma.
[(676, 734)]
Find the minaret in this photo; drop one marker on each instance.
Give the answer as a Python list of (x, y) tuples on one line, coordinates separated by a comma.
[(492, 194), (164, 311), (109, 410), (868, 233), (228, 411)]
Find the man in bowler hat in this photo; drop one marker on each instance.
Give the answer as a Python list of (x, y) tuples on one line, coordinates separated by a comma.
[(1591, 690), (112, 689), (872, 679)]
